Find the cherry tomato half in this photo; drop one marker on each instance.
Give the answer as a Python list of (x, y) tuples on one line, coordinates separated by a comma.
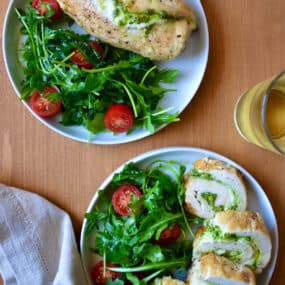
[(119, 118), (122, 197), (169, 235), (41, 6), (44, 106), (97, 273), (79, 59)]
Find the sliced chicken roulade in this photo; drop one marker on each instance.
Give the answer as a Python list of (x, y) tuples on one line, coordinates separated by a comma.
[(167, 280), (240, 236), (157, 29), (214, 269), (213, 186)]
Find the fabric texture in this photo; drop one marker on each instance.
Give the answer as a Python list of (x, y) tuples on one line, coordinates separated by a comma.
[(37, 243)]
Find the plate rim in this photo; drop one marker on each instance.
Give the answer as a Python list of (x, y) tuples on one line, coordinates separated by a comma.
[(124, 139), (204, 152)]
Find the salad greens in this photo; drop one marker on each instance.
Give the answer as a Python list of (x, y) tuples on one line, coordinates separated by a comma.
[(118, 76), (129, 241)]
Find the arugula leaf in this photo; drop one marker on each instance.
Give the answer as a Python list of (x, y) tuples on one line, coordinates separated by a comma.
[(166, 76), (134, 279), (129, 175), (93, 221), (96, 82), (97, 124)]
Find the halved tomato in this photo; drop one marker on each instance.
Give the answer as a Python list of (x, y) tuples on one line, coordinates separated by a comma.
[(169, 235), (79, 59), (41, 6), (44, 106), (122, 197), (119, 118), (98, 276)]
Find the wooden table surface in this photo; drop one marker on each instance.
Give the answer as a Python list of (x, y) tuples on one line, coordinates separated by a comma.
[(246, 46)]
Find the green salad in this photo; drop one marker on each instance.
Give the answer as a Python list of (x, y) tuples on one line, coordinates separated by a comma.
[(142, 230), (90, 83)]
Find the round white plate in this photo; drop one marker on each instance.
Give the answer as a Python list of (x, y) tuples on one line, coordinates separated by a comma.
[(191, 63), (257, 200)]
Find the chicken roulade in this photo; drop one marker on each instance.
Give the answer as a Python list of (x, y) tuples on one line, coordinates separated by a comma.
[(213, 186), (214, 269), (240, 236), (156, 29)]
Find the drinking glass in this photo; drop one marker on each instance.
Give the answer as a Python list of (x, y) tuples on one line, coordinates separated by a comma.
[(259, 114)]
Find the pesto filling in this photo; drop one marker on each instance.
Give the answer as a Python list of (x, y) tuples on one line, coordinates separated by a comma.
[(119, 14), (234, 255), (210, 198), (215, 233)]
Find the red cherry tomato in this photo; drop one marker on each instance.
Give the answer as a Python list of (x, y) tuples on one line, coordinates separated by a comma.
[(44, 106), (79, 59), (41, 6), (169, 235), (97, 273), (119, 118), (122, 197)]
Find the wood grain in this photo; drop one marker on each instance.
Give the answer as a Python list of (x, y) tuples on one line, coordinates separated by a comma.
[(246, 46)]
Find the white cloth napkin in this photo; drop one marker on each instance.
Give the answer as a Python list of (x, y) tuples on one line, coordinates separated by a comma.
[(37, 243)]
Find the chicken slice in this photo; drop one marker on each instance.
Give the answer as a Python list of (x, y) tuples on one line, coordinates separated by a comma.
[(161, 37)]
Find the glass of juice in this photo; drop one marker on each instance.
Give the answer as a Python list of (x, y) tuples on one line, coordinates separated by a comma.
[(259, 114)]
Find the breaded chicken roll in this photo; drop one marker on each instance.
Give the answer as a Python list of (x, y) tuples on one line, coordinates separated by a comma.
[(213, 186), (240, 236), (156, 29), (214, 269), (167, 280)]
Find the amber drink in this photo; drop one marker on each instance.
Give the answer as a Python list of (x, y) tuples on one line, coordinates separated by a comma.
[(259, 114)]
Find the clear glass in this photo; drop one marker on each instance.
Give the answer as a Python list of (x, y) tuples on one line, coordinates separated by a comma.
[(259, 114)]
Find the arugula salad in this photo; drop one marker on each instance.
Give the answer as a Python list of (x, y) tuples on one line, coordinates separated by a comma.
[(142, 230), (90, 83)]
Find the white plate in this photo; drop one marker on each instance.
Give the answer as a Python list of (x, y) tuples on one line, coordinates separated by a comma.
[(257, 200), (191, 63)]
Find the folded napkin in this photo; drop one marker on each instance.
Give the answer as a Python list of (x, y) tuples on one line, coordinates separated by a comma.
[(37, 243)]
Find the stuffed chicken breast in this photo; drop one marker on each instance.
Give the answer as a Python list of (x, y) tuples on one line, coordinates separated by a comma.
[(156, 29), (240, 236), (167, 280), (214, 269), (213, 186)]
